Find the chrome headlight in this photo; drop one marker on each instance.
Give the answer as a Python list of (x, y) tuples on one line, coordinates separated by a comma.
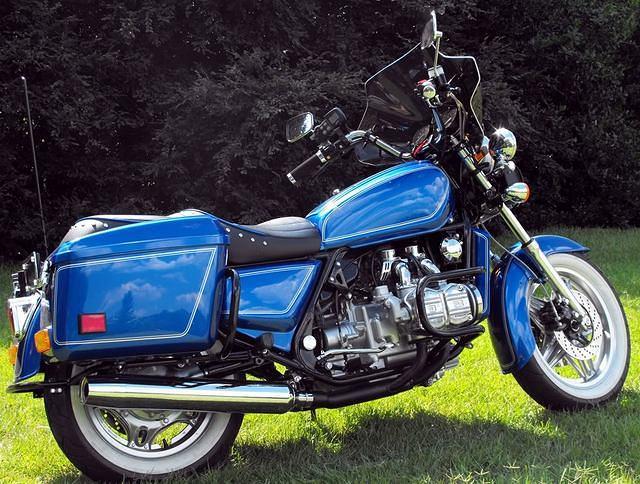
[(504, 144)]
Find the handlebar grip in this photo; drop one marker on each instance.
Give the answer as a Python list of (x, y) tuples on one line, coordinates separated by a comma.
[(306, 168)]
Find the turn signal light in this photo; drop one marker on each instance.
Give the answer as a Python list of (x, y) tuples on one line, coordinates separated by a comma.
[(42, 340), (517, 193), (13, 354)]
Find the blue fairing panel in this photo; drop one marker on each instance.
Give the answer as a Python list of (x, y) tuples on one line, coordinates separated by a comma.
[(158, 284), (509, 319), (405, 200), (273, 299), (28, 361)]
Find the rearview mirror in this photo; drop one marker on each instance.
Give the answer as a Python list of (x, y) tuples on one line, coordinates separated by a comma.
[(299, 126), (430, 32), (431, 37)]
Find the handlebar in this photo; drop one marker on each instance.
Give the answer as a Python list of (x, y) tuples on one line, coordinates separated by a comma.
[(307, 167), (312, 164)]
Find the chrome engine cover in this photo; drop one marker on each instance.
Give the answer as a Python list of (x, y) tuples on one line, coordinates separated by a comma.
[(452, 305)]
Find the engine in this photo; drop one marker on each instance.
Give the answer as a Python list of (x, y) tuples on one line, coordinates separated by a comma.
[(375, 326)]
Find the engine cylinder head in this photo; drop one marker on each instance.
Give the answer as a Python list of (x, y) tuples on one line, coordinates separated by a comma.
[(452, 305)]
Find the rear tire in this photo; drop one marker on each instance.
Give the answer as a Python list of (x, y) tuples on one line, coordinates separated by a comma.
[(599, 372), (103, 455)]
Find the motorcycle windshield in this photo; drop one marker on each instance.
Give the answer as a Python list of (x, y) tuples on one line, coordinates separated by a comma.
[(399, 116)]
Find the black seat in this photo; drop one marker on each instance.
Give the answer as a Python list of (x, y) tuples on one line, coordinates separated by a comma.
[(280, 238)]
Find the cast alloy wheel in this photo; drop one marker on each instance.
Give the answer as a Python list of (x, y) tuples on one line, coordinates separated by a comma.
[(578, 364)]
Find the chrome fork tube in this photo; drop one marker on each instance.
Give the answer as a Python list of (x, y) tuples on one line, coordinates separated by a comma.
[(529, 244)]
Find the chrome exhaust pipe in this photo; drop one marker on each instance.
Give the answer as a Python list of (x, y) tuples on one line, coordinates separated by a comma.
[(232, 397)]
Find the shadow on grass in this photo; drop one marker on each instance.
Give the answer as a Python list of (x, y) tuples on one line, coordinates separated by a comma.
[(379, 447)]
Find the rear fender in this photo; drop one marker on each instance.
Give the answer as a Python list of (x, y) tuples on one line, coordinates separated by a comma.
[(509, 325)]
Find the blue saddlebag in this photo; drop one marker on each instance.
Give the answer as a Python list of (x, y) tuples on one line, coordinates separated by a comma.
[(147, 288)]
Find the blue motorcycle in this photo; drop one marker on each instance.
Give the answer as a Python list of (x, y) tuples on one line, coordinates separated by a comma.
[(157, 334)]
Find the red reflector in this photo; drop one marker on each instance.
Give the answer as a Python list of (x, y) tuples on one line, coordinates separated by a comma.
[(93, 323)]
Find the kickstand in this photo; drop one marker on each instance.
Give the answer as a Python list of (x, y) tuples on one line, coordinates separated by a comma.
[(314, 416)]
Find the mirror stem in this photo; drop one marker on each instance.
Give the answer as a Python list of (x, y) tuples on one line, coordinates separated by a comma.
[(438, 36)]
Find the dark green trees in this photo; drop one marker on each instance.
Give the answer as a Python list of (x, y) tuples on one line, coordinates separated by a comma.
[(158, 105)]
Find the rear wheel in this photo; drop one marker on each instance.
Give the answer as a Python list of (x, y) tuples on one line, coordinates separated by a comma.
[(584, 365), (112, 445)]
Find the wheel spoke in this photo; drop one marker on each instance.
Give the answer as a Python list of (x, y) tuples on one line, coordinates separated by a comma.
[(535, 319), (131, 428), (114, 420), (552, 351), (139, 434), (581, 367), (536, 303), (149, 434), (590, 365)]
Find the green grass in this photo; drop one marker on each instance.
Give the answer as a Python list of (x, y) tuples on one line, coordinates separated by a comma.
[(475, 424)]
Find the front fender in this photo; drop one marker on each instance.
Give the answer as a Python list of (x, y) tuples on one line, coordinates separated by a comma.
[(509, 325)]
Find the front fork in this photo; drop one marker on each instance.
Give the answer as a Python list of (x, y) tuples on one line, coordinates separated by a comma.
[(528, 243)]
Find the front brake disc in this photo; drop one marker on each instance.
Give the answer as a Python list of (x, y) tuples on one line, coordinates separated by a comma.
[(591, 321)]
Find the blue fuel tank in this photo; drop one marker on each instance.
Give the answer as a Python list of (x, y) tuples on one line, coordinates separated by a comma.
[(408, 199)]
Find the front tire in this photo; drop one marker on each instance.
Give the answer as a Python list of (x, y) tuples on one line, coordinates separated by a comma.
[(570, 374), (109, 445)]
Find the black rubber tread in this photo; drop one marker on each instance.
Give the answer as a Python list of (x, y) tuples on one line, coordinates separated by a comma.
[(533, 380), (76, 448)]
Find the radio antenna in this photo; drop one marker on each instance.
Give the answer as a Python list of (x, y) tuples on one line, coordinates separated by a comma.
[(35, 162)]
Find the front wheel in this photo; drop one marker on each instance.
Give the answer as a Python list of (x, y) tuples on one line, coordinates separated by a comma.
[(584, 365), (112, 445)]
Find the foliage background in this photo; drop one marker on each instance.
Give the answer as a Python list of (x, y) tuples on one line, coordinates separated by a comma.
[(152, 106)]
